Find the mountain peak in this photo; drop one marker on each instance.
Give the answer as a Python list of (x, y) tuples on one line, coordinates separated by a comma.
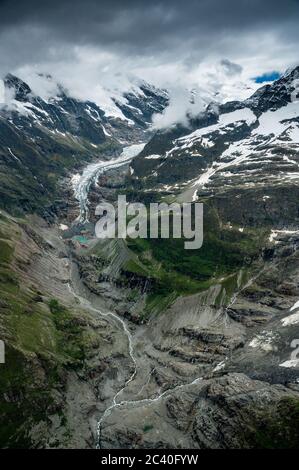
[(21, 89), (275, 95), (291, 73)]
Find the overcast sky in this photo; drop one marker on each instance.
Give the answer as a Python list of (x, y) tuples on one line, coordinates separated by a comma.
[(218, 45)]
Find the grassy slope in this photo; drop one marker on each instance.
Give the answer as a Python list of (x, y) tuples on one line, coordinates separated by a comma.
[(30, 184), (277, 428), (43, 340), (168, 270)]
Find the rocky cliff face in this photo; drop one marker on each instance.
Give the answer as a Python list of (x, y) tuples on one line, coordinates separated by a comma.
[(230, 309), (49, 338), (230, 412), (148, 345), (42, 140), (236, 145), (58, 353)]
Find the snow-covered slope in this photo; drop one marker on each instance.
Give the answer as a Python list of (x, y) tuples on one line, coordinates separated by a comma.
[(43, 137), (254, 143), (63, 113)]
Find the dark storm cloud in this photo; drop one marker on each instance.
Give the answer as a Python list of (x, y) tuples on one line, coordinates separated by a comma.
[(142, 27), (95, 47)]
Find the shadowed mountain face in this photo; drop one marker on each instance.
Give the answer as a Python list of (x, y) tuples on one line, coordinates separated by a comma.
[(43, 140), (241, 160), (237, 144), (140, 343)]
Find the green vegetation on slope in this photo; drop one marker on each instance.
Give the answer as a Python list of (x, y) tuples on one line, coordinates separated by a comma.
[(163, 269), (279, 428), (43, 340), (174, 270), (31, 183)]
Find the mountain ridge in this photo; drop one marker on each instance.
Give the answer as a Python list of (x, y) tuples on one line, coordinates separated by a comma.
[(111, 341), (41, 139), (220, 134)]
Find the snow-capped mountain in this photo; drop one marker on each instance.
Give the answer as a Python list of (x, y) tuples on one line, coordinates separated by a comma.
[(249, 145), (216, 325), (241, 160), (42, 138), (65, 114)]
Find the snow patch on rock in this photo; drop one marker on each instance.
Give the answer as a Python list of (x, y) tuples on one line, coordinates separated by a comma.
[(277, 122), (290, 320), (290, 363), (240, 115), (152, 157), (264, 341)]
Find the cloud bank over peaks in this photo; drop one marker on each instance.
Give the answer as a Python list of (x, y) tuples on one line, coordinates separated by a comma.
[(100, 77), (204, 84)]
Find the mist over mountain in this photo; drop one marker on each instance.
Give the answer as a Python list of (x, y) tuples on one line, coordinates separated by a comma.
[(179, 48)]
